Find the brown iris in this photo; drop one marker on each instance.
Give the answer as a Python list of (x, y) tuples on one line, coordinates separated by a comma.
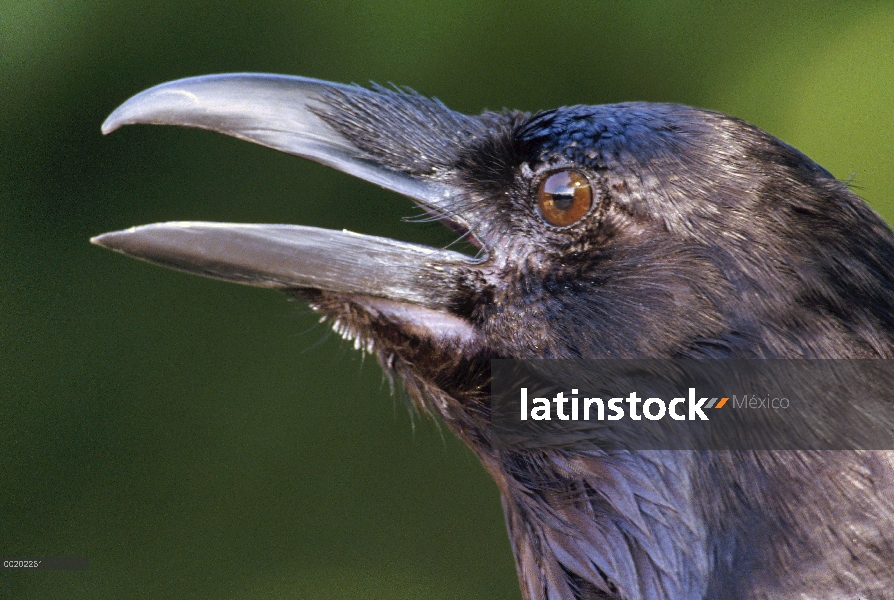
[(564, 198)]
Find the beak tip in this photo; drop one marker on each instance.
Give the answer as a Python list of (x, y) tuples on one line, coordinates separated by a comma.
[(149, 106), (123, 115), (111, 240), (108, 126)]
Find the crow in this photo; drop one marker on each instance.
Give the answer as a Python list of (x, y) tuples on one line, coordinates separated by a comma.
[(630, 230)]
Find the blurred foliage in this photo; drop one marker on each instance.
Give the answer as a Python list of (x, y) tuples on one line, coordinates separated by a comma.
[(195, 439)]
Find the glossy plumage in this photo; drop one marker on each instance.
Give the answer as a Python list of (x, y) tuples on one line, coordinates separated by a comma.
[(708, 239)]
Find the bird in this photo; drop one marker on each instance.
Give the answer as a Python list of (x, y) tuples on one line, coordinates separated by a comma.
[(620, 231)]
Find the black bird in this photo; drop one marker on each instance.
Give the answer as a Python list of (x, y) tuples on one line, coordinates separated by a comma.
[(621, 231)]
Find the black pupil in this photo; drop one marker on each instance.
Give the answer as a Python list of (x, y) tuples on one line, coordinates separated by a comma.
[(563, 198)]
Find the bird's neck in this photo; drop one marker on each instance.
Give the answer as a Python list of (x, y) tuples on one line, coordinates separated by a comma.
[(626, 525)]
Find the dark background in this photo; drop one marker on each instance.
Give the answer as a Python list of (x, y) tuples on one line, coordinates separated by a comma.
[(195, 439)]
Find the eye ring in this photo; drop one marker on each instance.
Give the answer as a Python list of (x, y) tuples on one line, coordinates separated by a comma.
[(564, 197)]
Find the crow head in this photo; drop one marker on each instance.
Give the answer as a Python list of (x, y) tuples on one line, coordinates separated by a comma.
[(621, 231)]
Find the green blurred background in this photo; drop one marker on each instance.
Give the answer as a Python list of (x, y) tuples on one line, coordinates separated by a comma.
[(195, 439)]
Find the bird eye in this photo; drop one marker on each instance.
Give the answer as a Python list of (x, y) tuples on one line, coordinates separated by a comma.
[(564, 198)]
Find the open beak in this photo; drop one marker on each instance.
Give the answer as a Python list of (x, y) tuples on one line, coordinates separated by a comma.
[(294, 115)]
